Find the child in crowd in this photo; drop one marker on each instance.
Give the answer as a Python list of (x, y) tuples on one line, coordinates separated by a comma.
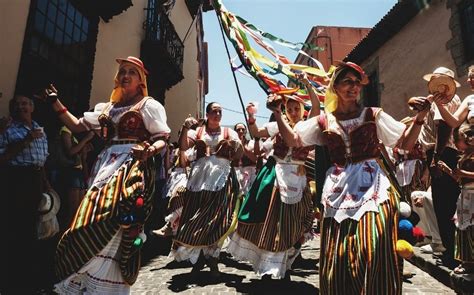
[(464, 217)]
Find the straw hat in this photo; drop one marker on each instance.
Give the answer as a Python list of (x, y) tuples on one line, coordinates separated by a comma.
[(442, 81), (134, 60), (49, 205)]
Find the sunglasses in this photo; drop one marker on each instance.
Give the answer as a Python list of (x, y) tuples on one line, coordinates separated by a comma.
[(240, 129)]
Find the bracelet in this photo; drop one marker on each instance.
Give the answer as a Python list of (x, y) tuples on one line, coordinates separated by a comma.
[(61, 111), (251, 121)]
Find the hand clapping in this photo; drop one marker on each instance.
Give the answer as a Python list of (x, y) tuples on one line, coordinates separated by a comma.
[(143, 151)]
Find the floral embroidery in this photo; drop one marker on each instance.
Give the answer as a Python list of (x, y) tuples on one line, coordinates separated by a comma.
[(375, 196), (348, 197), (337, 190)]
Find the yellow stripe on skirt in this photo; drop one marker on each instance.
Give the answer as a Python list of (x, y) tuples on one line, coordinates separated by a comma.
[(359, 257), (97, 221)]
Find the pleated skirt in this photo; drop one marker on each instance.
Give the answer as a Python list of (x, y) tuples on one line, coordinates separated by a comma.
[(271, 233), (359, 257), (99, 223), (205, 219)]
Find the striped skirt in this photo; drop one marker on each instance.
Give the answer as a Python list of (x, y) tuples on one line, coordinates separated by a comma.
[(177, 200), (464, 247), (100, 219), (269, 229), (359, 257), (175, 208), (205, 219)]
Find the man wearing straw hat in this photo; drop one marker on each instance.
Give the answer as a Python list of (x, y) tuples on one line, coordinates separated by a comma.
[(437, 140)]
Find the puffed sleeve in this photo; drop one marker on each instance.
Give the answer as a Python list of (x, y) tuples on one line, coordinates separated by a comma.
[(389, 130), (309, 132), (90, 119), (233, 135), (154, 117), (272, 128), (192, 134)]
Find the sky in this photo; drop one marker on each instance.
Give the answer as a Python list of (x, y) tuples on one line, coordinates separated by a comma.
[(291, 20)]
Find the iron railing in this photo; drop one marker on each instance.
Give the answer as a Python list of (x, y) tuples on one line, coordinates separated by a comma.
[(159, 30)]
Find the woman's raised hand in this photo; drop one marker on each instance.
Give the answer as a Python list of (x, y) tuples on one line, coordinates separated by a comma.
[(419, 103), (49, 94), (274, 102), (303, 78), (251, 108), (189, 122)]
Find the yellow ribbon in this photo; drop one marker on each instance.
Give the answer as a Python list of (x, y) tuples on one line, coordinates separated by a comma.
[(233, 225)]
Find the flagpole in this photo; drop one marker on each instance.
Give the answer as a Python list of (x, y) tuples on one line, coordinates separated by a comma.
[(219, 20)]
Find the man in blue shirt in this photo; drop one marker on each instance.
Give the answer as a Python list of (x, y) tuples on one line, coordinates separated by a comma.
[(23, 152)]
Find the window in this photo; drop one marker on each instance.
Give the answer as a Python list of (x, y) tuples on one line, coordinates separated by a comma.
[(466, 12), (370, 93), (59, 48)]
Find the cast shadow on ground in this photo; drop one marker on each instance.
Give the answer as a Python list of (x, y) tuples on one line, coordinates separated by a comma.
[(186, 281), (226, 259), (302, 267), (174, 265), (273, 286)]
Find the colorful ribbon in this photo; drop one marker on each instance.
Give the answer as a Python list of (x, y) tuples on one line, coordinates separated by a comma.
[(265, 69)]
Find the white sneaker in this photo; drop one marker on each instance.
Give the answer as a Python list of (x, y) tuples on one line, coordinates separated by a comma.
[(432, 248)]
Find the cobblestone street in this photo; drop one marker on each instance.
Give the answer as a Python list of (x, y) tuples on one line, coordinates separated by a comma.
[(163, 276)]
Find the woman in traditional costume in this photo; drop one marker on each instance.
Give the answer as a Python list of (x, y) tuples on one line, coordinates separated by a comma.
[(277, 211), (100, 252), (360, 217), (175, 191), (245, 167), (211, 191)]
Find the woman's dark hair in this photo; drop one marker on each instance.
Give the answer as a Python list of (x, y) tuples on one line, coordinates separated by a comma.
[(272, 118), (240, 123), (209, 106), (344, 72)]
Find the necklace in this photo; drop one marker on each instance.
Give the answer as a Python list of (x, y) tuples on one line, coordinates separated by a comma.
[(213, 131), (348, 115)]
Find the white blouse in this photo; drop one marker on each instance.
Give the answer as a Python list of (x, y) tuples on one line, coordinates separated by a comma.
[(389, 130), (356, 188), (153, 113), (213, 139)]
